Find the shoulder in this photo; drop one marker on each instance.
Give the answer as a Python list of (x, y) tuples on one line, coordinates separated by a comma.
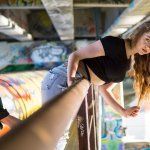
[(112, 42), (113, 45)]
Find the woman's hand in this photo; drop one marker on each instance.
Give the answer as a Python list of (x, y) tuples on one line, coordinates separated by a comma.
[(132, 111)]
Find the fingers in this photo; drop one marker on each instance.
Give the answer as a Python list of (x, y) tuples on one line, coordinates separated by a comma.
[(132, 111), (136, 107), (133, 115), (135, 111)]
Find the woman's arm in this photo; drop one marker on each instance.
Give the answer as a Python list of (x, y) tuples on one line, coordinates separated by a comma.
[(109, 98), (92, 50)]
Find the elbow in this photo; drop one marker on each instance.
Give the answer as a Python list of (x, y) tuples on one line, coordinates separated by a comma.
[(74, 56), (71, 55), (102, 90), (105, 87)]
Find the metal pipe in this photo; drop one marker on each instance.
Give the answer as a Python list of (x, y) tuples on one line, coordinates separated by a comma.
[(99, 5), (75, 6), (42, 130)]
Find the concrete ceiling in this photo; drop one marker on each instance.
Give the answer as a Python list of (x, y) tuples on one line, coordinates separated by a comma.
[(61, 14), (137, 11), (114, 18), (10, 28)]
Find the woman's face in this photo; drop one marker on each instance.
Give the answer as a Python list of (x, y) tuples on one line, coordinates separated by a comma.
[(143, 44)]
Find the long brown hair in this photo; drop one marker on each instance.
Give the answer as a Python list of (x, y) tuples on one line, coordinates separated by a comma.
[(141, 66)]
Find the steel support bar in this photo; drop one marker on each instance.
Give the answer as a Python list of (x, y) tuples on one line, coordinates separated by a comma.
[(87, 123), (83, 127), (92, 115), (99, 5), (42, 130)]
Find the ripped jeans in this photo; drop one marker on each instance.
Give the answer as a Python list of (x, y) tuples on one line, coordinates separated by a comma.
[(55, 82)]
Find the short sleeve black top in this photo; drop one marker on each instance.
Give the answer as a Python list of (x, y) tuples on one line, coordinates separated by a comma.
[(113, 66)]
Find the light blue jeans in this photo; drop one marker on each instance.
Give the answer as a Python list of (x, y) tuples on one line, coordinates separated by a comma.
[(55, 82)]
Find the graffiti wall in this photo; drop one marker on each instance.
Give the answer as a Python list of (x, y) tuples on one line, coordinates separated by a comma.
[(20, 2), (41, 53), (112, 130), (20, 93)]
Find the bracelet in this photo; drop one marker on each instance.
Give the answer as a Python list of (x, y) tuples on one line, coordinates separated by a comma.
[(3, 113)]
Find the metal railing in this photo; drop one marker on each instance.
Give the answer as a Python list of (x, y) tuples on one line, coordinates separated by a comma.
[(86, 118), (42, 130)]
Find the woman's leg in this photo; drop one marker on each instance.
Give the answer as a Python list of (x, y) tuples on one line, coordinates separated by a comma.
[(53, 84)]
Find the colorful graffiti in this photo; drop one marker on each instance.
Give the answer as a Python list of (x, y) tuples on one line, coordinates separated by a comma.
[(20, 94), (20, 2), (37, 52), (112, 130), (41, 53), (112, 137)]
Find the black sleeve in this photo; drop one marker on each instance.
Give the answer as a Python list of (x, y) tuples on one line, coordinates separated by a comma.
[(113, 46)]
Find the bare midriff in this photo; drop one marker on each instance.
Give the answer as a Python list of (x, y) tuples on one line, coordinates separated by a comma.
[(94, 78)]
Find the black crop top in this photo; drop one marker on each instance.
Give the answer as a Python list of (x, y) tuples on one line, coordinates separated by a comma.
[(113, 66)]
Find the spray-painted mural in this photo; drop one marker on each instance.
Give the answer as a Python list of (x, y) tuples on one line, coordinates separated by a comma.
[(20, 93), (112, 130), (20, 2), (41, 53)]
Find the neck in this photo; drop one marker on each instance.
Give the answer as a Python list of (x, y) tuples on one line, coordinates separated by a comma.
[(130, 50)]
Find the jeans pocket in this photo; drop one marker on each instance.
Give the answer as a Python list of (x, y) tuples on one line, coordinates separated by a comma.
[(63, 85)]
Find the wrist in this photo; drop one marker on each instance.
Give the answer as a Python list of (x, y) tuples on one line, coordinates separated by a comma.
[(123, 112)]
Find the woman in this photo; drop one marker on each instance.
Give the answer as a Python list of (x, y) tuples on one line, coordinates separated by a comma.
[(104, 63)]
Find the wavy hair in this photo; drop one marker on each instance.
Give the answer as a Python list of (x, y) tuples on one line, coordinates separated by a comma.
[(141, 65), (142, 76)]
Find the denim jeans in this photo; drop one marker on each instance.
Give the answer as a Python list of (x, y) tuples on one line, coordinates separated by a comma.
[(53, 84)]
